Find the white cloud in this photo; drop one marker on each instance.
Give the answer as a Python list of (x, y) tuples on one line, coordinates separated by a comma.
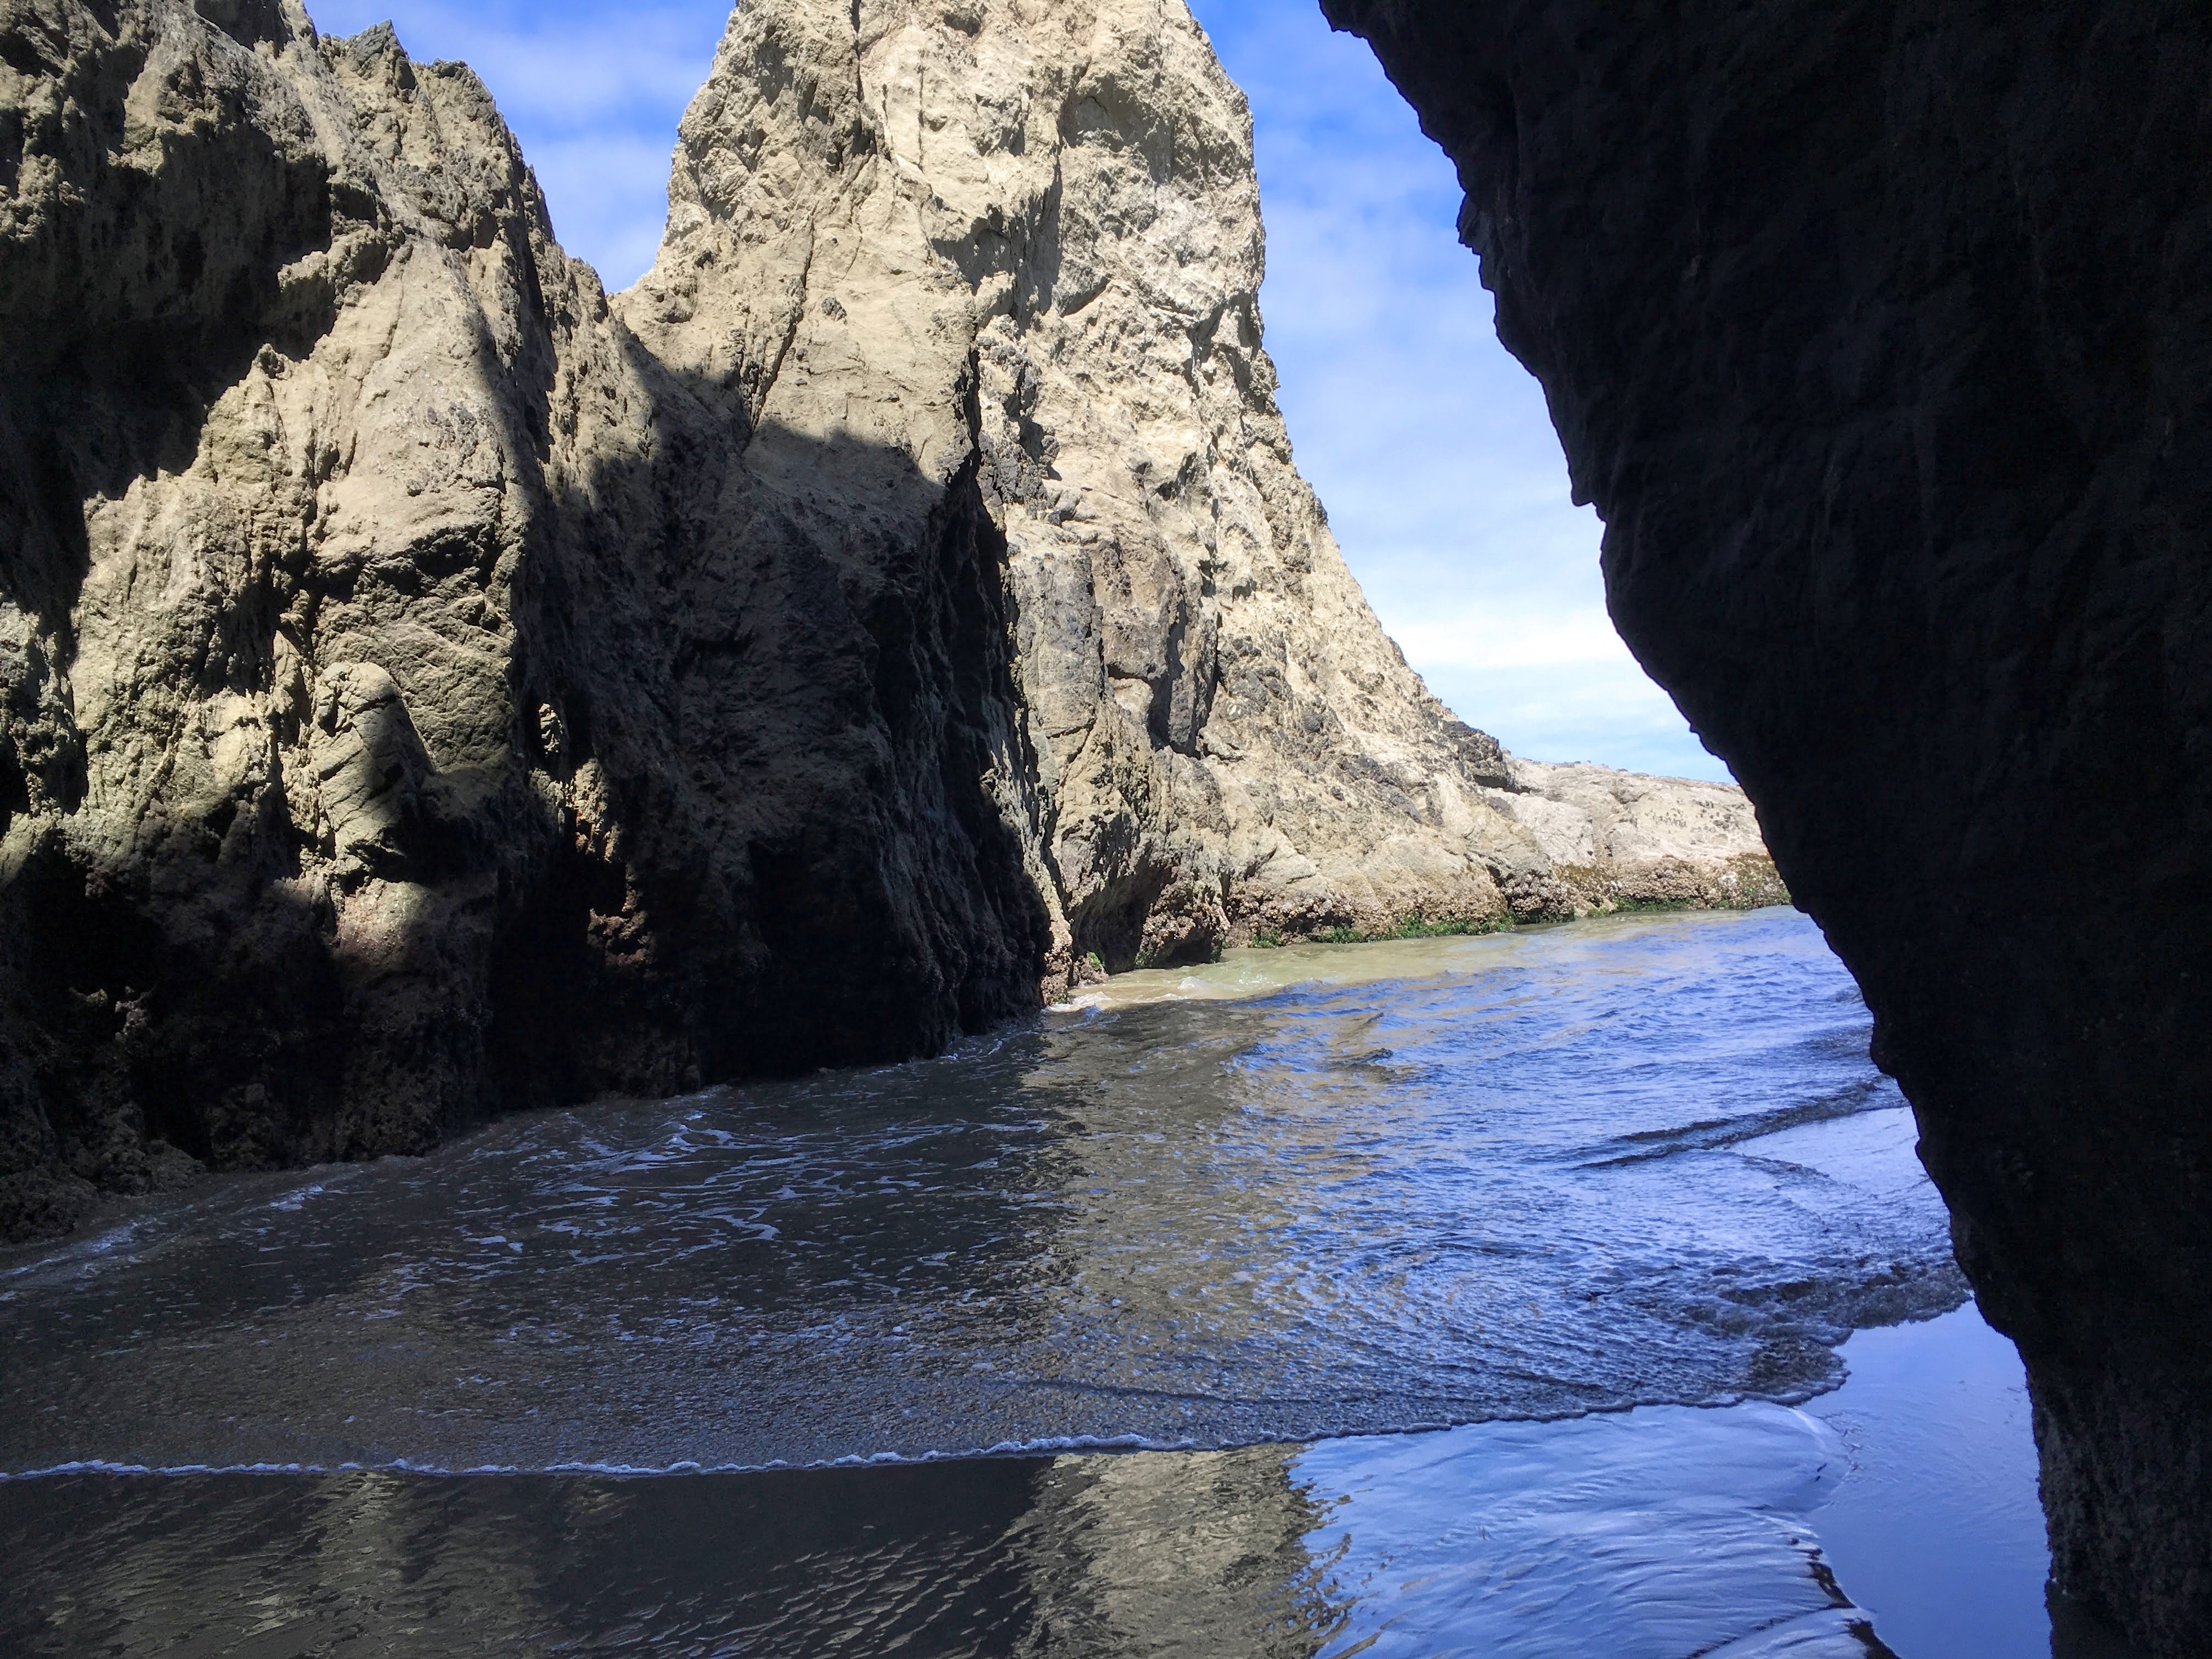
[(1543, 712), (1479, 636)]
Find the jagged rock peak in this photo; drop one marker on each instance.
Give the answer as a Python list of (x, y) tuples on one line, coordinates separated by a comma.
[(1023, 242)]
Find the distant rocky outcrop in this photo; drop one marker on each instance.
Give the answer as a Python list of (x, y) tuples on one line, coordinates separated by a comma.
[(1617, 839), (1878, 332), (432, 686)]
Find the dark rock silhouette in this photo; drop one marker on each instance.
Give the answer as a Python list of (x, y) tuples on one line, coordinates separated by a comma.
[(1879, 333)]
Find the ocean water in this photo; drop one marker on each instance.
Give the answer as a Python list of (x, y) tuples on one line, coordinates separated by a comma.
[(1461, 1295)]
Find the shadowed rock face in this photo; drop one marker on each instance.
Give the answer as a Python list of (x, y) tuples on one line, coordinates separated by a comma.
[(420, 698), (1880, 334)]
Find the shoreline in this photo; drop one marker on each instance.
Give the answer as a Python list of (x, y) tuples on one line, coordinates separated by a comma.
[(1256, 971)]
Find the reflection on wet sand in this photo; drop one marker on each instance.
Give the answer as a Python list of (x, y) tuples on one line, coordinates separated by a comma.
[(1656, 1533), (1189, 1555)]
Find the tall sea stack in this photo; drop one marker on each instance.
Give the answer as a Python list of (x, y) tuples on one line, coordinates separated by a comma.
[(1878, 332)]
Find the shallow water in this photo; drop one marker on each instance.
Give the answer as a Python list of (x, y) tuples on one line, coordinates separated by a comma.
[(1305, 1193)]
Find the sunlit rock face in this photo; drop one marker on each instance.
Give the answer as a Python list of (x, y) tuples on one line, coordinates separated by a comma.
[(433, 687), (420, 698), (1021, 245), (1878, 332)]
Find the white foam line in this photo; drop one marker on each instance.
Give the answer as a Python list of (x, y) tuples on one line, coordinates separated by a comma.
[(1046, 1446)]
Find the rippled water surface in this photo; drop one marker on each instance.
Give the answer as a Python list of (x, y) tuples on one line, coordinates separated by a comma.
[(1368, 1191)]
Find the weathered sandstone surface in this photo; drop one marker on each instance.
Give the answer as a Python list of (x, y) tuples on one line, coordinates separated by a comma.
[(432, 686), (1880, 333)]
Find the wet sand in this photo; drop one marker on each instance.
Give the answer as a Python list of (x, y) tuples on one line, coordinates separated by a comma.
[(1900, 1508)]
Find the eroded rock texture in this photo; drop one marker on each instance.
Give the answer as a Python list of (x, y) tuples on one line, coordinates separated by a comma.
[(432, 687), (421, 697), (1026, 239), (1020, 244), (1880, 333)]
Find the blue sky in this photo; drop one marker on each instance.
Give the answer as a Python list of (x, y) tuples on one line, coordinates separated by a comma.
[(1429, 444)]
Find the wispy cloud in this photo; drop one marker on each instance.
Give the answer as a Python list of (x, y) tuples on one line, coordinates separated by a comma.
[(1431, 446), (564, 64), (608, 193)]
